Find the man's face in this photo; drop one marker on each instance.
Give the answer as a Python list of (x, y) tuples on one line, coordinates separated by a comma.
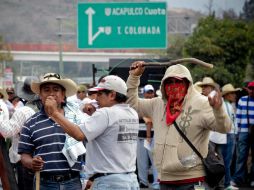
[(206, 89), (105, 98), (11, 94), (54, 90), (176, 89), (231, 97), (81, 94), (149, 94)]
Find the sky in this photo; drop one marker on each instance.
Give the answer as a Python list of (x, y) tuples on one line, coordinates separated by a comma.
[(201, 5)]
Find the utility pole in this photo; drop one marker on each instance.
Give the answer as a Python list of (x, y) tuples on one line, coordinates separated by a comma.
[(61, 66), (60, 35)]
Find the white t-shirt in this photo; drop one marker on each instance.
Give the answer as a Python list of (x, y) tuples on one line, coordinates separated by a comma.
[(112, 140)]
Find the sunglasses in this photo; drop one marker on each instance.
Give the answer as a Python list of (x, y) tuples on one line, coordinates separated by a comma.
[(54, 75)]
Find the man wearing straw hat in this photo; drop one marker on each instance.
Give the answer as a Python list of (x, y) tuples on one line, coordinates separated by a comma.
[(178, 166), (111, 132), (43, 144), (228, 149), (207, 85), (216, 140)]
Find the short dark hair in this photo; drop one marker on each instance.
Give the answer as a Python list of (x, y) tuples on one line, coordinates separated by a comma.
[(120, 98)]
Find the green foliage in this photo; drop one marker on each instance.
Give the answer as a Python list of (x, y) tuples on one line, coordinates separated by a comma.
[(224, 43), (176, 44)]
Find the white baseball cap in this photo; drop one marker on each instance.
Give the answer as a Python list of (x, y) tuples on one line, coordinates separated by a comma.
[(112, 82), (148, 87)]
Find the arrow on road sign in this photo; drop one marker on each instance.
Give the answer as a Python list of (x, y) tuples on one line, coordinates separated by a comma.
[(90, 12)]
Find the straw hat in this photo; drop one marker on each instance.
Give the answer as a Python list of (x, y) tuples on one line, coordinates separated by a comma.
[(208, 81), (69, 85), (228, 88), (3, 92), (197, 87)]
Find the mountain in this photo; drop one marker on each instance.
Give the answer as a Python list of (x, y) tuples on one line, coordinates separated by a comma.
[(37, 21)]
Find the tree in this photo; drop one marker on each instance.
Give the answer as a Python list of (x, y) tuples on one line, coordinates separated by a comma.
[(224, 43), (176, 44), (248, 10), (4, 51)]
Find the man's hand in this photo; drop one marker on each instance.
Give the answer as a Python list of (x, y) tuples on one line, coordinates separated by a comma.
[(37, 163), (50, 106), (216, 100), (89, 109), (137, 68)]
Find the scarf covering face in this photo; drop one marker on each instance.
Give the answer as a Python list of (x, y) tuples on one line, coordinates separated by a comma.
[(175, 92)]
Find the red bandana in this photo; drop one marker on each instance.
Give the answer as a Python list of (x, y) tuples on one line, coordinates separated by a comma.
[(175, 93)]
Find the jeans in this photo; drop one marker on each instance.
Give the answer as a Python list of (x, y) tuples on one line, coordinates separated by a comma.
[(116, 182), (73, 184), (243, 146), (227, 153), (143, 157)]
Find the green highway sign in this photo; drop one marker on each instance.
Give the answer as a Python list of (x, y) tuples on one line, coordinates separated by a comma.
[(122, 25)]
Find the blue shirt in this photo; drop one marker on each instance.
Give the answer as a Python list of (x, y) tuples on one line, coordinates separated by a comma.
[(43, 137), (241, 113)]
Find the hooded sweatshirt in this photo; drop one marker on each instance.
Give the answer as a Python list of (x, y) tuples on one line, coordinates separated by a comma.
[(197, 118)]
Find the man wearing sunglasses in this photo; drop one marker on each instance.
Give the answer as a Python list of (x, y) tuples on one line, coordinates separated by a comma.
[(111, 132)]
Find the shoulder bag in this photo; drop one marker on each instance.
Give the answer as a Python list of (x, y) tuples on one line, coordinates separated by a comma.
[(213, 163)]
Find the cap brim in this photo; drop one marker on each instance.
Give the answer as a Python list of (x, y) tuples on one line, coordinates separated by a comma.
[(96, 89), (92, 89)]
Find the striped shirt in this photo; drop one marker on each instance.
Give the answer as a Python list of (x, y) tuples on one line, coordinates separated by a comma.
[(241, 113), (43, 137)]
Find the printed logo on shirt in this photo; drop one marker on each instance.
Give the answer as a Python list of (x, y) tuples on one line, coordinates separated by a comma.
[(128, 130), (186, 119)]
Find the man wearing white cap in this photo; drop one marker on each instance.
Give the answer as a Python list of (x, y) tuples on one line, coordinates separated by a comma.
[(111, 132), (144, 153), (43, 144)]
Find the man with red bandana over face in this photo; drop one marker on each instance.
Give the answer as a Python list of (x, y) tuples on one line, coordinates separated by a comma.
[(178, 166)]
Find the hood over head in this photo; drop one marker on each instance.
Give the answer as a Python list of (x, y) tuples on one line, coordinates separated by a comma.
[(177, 71)]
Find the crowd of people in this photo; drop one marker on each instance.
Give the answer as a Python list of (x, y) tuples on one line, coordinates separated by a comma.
[(55, 128)]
